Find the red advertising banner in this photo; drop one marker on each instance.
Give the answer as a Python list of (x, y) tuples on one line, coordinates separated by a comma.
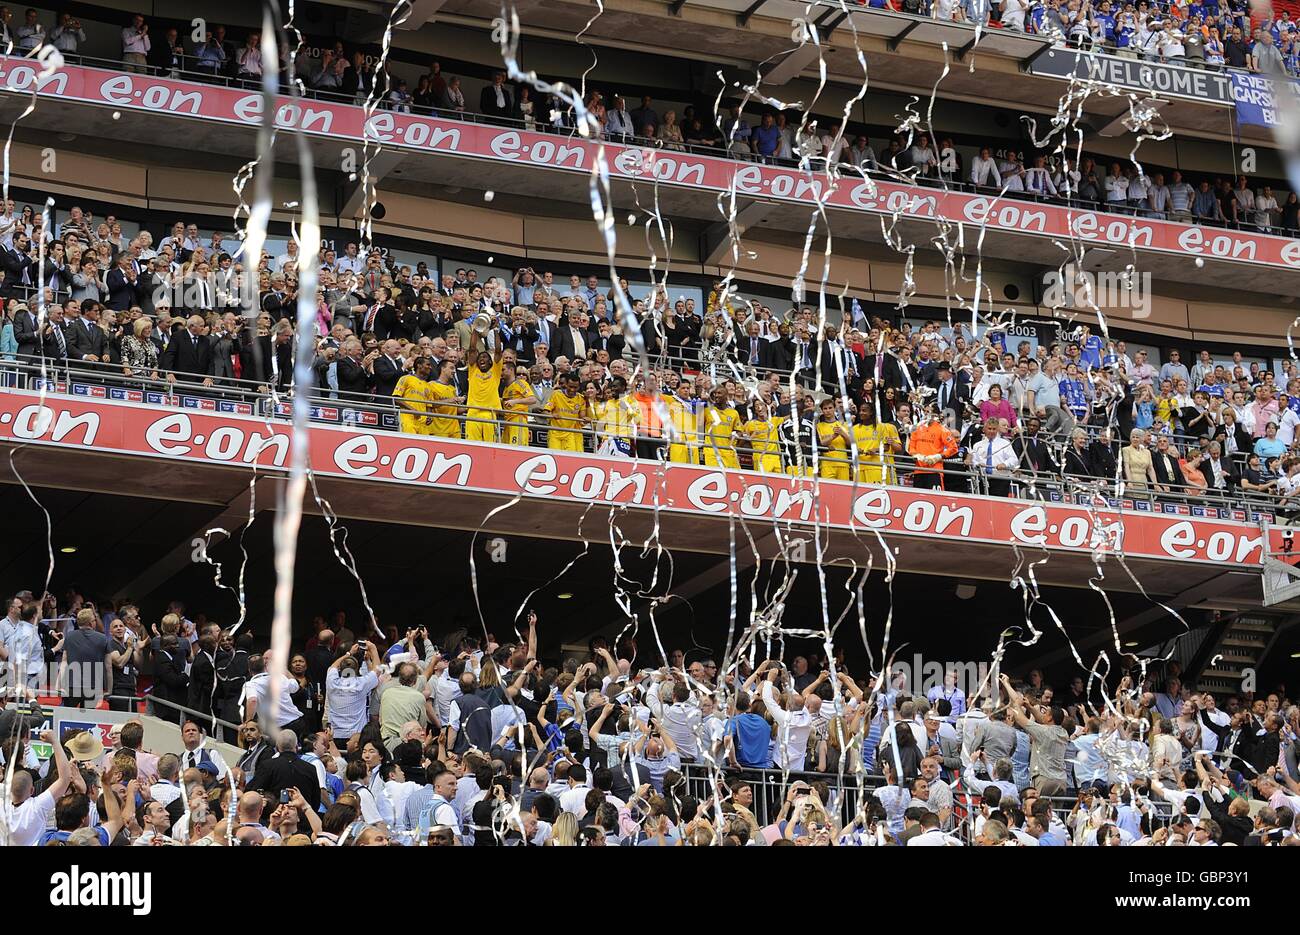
[(346, 122), (199, 436)]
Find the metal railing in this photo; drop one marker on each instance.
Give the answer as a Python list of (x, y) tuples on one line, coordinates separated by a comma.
[(903, 174), (847, 793), (207, 720), (533, 428)]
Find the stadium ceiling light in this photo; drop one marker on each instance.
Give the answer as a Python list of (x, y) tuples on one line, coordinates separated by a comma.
[(1132, 643), (68, 549), (565, 596)]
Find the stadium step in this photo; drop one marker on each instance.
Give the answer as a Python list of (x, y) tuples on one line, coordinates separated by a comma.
[(1244, 643)]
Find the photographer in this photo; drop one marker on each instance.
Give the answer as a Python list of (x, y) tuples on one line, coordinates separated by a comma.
[(211, 56), (348, 684), (67, 35)]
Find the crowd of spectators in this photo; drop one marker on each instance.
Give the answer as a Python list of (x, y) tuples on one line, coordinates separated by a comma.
[(783, 136), (1198, 34), (539, 358), (469, 741)]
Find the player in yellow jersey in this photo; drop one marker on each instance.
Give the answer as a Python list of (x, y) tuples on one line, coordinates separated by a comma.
[(613, 415), (484, 391), (763, 434), (721, 423), (516, 398), (833, 438), (445, 403), (684, 411), (877, 443), (568, 411), (412, 395)]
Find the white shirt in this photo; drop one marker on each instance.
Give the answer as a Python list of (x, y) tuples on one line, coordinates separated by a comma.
[(981, 170), (350, 264), (214, 756), (680, 721), (346, 700), (27, 822), (1003, 456), (259, 687), (1286, 426), (792, 730), (1209, 739), (1013, 14), (574, 801), (445, 690), (933, 838), (165, 793)]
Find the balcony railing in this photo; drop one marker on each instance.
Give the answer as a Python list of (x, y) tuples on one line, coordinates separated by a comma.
[(621, 436)]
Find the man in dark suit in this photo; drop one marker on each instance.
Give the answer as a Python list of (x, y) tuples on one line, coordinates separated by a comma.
[(355, 377), (284, 769), (152, 286), (573, 338), (17, 266), (170, 681), (1231, 428), (123, 284), (280, 301), (1034, 454), (27, 332), (611, 340), (55, 337), (523, 336), (1165, 462), (269, 359), (1220, 473), (388, 369), (86, 340), (754, 350), (951, 393), (496, 99), (188, 354)]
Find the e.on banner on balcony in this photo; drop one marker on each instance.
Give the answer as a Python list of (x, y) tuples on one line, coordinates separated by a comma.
[(346, 123), (227, 439)]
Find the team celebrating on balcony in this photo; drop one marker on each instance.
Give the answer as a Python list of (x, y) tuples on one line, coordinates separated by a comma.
[(543, 359)]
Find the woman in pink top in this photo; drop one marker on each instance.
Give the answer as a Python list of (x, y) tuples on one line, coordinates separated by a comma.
[(995, 407)]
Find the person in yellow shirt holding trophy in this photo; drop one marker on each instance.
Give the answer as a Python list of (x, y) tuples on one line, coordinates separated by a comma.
[(484, 390)]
